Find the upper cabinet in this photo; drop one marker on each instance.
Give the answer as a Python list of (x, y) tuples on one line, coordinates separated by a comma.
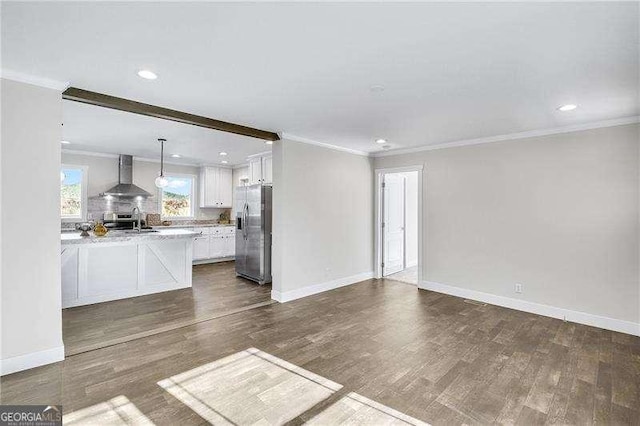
[(260, 170), (267, 173), (216, 187)]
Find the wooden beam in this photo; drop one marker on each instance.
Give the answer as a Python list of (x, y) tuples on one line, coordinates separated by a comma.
[(107, 101)]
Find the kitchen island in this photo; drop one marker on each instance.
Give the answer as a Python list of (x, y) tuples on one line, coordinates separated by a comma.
[(124, 264)]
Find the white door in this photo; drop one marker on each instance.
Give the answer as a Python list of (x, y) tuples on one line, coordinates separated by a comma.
[(393, 224)]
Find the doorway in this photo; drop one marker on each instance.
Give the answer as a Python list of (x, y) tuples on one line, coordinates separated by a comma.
[(398, 236)]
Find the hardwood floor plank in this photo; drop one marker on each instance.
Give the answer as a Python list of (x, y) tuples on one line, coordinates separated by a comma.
[(216, 292), (430, 356)]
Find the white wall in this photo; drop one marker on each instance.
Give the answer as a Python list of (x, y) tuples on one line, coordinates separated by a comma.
[(558, 214), (103, 174), (323, 219), (30, 221), (411, 218)]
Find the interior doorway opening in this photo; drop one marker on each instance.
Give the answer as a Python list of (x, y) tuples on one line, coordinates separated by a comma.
[(399, 243)]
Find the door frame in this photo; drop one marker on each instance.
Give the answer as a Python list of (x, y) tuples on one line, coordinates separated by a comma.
[(379, 174)]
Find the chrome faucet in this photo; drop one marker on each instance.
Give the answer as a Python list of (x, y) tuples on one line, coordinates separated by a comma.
[(139, 226)]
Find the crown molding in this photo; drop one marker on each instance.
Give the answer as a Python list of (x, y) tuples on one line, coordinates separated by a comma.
[(513, 136), (260, 154), (142, 159), (295, 138), (33, 80), (88, 153)]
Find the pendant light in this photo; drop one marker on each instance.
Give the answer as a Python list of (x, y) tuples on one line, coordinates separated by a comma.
[(161, 181)]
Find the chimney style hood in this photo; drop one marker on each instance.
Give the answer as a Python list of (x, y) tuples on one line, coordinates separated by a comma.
[(125, 187)]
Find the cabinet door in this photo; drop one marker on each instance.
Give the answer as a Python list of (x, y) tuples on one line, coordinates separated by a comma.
[(216, 246), (209, 177), (230, 245), (267, 170), (255, 171), (201, 248), (225, 188)]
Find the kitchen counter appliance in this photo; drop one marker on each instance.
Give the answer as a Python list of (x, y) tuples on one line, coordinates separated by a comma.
[(253, 232), (122, 221)]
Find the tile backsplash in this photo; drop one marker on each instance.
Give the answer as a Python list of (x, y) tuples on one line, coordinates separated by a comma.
[(97, 206)]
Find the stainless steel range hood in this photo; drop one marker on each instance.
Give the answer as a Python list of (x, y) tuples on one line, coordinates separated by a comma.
[(125, 187)]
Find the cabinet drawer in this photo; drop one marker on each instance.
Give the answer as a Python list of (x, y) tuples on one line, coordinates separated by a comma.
[(229, 230), (216, 230)]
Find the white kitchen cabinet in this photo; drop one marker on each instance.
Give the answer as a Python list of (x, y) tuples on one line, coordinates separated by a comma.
[(215, 243), (201, 247), (260, 170), (255, 171), (267, 172), (216, 187), (229, 245), (95, 271), (216, 246)]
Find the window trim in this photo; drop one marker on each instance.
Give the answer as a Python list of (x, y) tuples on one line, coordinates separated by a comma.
[(194, 182), (84, 199)]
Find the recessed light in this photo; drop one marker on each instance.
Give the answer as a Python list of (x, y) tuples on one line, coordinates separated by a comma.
[(224, 161), (376, 88), (568, 107), (223, 153), (269, 142), (381, 141), (65, 142), (149, 75), (176, 155)]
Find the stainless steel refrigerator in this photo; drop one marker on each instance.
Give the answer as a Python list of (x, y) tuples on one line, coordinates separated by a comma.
[(252, 206)]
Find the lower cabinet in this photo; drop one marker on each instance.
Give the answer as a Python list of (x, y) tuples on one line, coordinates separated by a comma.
[(216, 246), (201, 248), (215, 243)]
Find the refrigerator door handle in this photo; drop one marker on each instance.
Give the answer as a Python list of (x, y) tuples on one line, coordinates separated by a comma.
[(245, 213)]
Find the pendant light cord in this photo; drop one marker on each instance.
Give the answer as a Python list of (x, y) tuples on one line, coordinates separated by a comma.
[(162, 141)]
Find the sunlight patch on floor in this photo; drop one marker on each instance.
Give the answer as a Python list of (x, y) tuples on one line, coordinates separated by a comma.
[(355, 409), (116, 411), (249, 387)]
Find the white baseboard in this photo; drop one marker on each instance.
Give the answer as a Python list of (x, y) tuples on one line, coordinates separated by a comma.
[(607, 323), (288, 296), (213, 260), (31, 360)]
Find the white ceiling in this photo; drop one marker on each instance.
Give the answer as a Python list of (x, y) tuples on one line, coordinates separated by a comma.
[(102, 130), (451, 71)]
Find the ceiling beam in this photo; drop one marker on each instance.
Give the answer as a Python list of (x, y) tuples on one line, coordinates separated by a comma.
[(107, 101)]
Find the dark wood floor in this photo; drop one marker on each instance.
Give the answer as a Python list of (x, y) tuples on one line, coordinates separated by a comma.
[(216, 292), (431, 356)]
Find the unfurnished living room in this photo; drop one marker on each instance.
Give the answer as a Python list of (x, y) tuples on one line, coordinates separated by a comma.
[(363, 213)]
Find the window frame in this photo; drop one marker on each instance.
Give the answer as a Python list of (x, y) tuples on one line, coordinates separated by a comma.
[(84, 199), (192, 196)]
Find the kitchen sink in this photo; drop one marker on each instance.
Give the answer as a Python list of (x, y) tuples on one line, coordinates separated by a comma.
[(142, 231)]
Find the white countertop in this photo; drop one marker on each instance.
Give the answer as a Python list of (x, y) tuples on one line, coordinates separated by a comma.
[(122, 236), (193, 225)]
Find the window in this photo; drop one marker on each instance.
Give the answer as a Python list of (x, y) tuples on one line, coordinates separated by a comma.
[(177, 199), (73, 193)]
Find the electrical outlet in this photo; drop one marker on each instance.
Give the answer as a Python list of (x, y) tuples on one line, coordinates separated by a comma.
[(518, 288)]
